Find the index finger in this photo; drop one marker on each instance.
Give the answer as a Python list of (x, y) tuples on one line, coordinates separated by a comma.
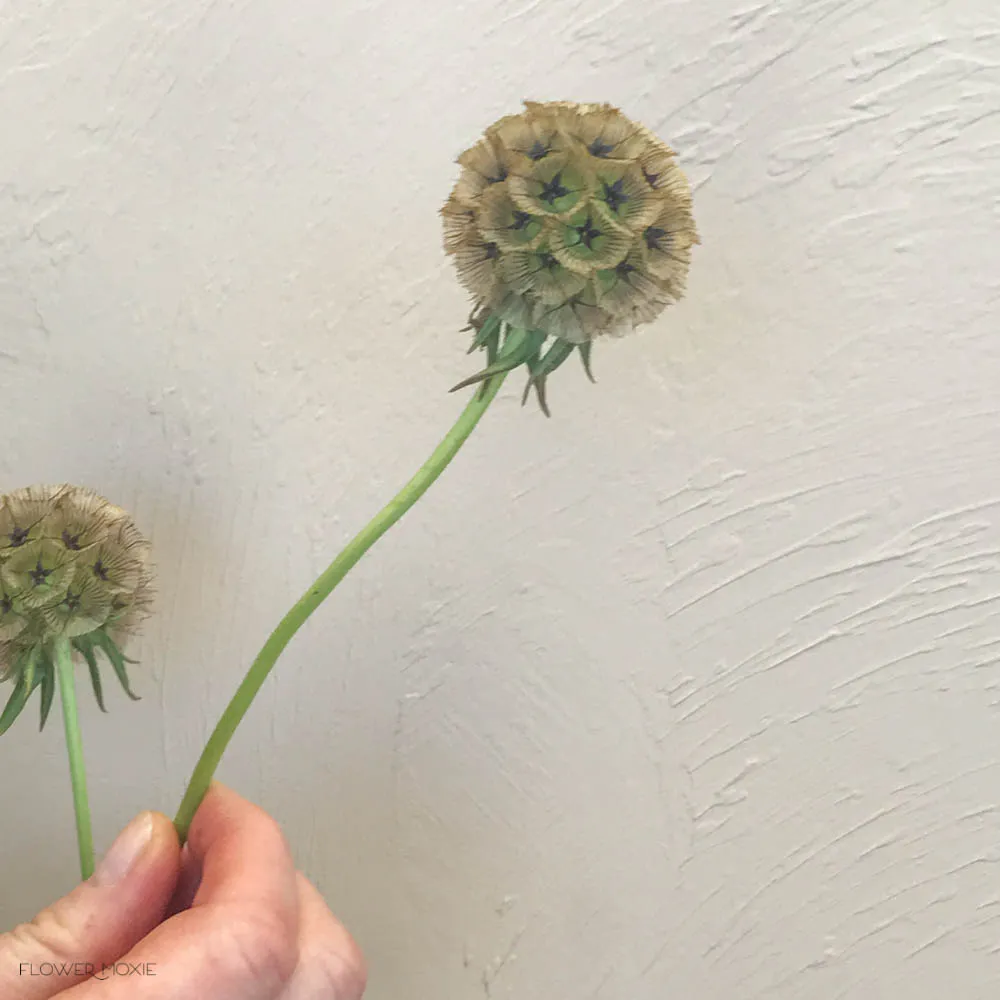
[(238, 941)]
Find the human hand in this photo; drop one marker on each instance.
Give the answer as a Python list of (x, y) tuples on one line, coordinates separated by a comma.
[(227, 918)]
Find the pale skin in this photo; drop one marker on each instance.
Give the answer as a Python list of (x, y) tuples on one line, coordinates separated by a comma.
[(229, 917)]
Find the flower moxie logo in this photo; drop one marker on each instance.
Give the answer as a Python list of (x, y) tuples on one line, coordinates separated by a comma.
[(87, 970)]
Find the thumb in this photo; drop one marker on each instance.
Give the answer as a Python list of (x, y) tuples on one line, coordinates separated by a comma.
[(100, 920)]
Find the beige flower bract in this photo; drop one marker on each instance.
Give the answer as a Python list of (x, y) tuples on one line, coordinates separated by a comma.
[(571, 220), (73, 567)]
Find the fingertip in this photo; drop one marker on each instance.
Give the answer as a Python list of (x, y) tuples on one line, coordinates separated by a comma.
[(164, 836), (164, 851), (146, 848)]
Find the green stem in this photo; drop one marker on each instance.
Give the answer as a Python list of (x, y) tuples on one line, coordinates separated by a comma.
[(74, 748), (204, 771)]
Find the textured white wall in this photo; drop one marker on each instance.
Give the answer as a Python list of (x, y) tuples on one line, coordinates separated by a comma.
[(691, 691)]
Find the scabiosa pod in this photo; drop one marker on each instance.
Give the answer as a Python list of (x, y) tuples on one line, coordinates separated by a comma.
[(569, 222), (74, 578)]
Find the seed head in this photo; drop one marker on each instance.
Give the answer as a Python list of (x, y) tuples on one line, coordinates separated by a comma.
[(568, 221), (72, 567)]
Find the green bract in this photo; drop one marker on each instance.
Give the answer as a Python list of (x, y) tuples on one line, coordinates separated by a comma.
[(568, 222), (72, 566)]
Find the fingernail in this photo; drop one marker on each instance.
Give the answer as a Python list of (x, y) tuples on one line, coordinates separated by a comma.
[(125, 851)]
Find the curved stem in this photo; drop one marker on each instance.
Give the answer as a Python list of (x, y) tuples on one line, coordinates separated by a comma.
[(74, 748), (204, 771)]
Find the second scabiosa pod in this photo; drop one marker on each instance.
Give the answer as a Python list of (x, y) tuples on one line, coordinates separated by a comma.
[(74, 582), (568, 223)]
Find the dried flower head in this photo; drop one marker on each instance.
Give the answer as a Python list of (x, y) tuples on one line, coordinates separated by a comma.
[(72, 566), (568, 221)]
